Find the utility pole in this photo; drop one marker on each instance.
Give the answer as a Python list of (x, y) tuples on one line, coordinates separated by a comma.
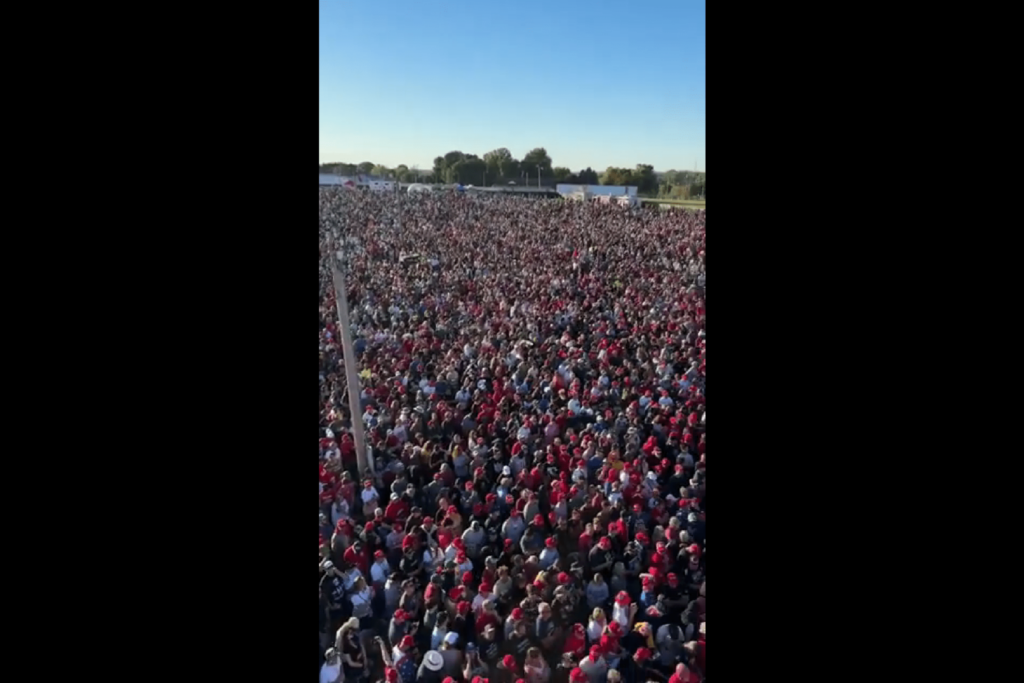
[(351, 369)]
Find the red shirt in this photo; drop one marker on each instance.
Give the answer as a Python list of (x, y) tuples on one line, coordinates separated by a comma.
[(484, 619), (358, 559), (585, 542), (577, 646), (396, 510)]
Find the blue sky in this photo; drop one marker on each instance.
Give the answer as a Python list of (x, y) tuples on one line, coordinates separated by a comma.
[(598, 84)]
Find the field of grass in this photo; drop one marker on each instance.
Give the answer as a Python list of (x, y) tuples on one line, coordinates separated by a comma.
[(686, 203)]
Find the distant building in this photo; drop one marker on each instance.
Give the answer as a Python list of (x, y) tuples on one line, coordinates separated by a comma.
[(597, 190)]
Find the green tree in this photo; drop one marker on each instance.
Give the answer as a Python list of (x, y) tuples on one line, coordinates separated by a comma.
[(587, 176), (498, 161), (452, 157), (645, 179), (561, 174), (380, 171), (537, 159), (617, 176), (365, 167), (471, 171), (439, 169), (345, 169)]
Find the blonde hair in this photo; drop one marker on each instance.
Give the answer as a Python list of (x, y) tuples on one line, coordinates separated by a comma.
[(614, 675), (598, 613)]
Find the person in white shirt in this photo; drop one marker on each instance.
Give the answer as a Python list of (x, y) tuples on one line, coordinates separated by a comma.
[(380, 570), (369, 496), (330, 671)]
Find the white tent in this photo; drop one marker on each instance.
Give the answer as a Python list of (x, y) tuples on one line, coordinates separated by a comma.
[(416, 188)]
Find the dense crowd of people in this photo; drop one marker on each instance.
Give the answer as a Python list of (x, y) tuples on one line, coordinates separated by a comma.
[(532, 390)]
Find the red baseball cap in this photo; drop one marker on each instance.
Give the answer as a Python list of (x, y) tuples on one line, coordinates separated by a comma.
[(463, 607), (452, 510), (379, 554), (605, 542), (391, 675), (622, 598), (642, 654), (577, 675), (550, 542), (485, 587), (564, 578), (407, 642), (538, 520), (510, 662), (456, 593), (595, 653), (517, 613), (615, 628)]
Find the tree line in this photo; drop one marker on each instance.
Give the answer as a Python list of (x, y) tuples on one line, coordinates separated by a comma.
[(499, 167)]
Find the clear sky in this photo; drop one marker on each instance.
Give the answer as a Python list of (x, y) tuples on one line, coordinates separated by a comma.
[(597, 83)]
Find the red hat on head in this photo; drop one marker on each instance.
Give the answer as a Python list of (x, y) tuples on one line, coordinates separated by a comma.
[(642, 654), (448, 679), (509, 498), (642, 538), (637, 507), (452, 510), (367, 484), (606, 643), (391, 674), (672, 578), (428, 521), (579, 628), (467, 578), (456, 593), (577, 675), (469, 486), (622, 598), (517, 613), (459, 543), (550, 542), (595, 653), (369, 527), (510, 662), (538, 519), (460, 556), (647, 581), (508, 542), (478, 509), (491, 497), (660, 546), (379, 554), (400, 615), (615, 628), (694, 549), (485, 587), (564, 578), (463, 607), (407, 642), (605, 542)]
